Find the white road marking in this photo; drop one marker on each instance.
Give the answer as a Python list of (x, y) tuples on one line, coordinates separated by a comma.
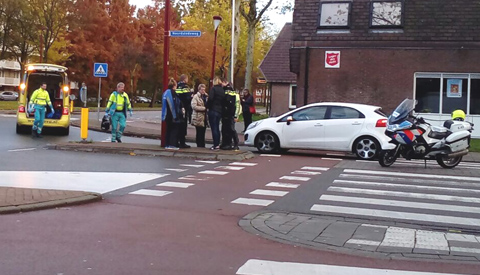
[(22, 150), (192, 165), (8, 115), (363, 242), (306, 173), (261, 267), (207, 161), (315, 168), (176, 170), (395, 215), (403, 194), (253, 202), (269, 193), (270, 155), (175, 184), (405, 186), (234, 168), (389, 174), (192, 177), (243, 163), (148, 192), (210, 172), (283, 185), (99, 182), (295, 178), (407, 204)]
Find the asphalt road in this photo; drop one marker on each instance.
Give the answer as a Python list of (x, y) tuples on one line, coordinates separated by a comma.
[(183, 220)]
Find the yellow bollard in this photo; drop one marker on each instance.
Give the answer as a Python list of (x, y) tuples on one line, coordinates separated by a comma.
[(71, 106), (84, 124)]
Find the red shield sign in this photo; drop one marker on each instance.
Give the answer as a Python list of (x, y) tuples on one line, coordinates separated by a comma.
[(332, 59)]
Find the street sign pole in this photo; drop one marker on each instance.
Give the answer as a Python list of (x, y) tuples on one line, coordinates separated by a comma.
[(99, 89), (166, 54)]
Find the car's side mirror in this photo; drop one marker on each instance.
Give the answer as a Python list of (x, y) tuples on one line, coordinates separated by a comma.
[(289, 120)]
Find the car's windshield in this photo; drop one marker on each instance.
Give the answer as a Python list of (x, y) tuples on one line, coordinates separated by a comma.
[(402, 111)]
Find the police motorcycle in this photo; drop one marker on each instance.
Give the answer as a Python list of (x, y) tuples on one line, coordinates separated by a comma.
[(413, 138)]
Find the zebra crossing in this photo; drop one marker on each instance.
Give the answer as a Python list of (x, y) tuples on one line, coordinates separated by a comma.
[(289, 182), (203, 175), (440, 200)]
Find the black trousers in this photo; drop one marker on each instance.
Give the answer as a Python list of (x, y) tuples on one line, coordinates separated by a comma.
[(200, 137), (182, 132), (171, 138), (226, 132), (247, 119)]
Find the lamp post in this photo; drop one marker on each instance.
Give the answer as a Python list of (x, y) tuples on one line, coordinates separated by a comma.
[(216, 22)]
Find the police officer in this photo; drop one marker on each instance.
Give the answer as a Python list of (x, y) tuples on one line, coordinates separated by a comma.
[(185, 95), (39, 101), (117, 107)]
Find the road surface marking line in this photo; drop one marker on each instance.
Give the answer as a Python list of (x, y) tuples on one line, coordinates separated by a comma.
[(465, 249), (306, 173), (192, 177), (22, 150), (407, 204), (175, 184), (269, 193), (374, 225), (399, 237), (403, 194), (261, 267), (270, 155), (253, 202), (284, 185), (389, 174), (406, 216), (431, 240), (243, 163), (147, 192), (9, 115), (193, 165), (363, 242), (176, 170), (334, 158), (315, 168), (233, 168), (210, 172), (405, 186), (208, 161), (295, 178)]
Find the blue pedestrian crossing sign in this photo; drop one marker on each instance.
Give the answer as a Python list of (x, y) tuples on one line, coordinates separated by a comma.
[(100, 70)]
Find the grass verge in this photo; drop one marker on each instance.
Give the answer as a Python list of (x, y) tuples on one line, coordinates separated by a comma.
[(8, 105)]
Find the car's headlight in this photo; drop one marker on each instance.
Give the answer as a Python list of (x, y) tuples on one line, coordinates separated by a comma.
[(254, 124)]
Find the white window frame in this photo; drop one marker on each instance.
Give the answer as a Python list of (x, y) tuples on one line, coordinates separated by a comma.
[(290, 90)]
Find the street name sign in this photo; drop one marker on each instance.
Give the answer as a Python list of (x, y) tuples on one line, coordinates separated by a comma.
[(100, 70), (185, 33)]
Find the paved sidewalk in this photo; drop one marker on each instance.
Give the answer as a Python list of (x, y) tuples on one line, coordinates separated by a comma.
[(14, 200), (376, 239)]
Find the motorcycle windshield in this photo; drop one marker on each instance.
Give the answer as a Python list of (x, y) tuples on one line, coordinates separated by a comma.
[(401, 112)]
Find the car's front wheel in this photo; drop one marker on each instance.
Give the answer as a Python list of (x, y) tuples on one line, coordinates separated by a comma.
[(366, 148), (267, 142)]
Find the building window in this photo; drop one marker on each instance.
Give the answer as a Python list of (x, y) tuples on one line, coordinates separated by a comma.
[(334, 15), (292, 102), (386, 14)]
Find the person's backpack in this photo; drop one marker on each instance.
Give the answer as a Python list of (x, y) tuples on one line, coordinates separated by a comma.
[(106, 121)]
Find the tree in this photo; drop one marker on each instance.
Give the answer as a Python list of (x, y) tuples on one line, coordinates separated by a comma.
[(253, 17), (9, 18)]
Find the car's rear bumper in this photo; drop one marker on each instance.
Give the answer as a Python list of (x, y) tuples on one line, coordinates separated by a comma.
[(63, 122)]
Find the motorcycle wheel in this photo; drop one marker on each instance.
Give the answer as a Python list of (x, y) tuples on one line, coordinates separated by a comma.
[(387, 157), (448, 163)]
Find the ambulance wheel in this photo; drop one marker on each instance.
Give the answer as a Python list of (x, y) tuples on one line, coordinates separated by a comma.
[(64, 131), (22, 129)]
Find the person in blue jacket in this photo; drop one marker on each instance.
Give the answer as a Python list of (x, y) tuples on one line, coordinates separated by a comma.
[(172, 114)]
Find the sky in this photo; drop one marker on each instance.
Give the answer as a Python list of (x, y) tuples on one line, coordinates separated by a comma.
[(278, 20)]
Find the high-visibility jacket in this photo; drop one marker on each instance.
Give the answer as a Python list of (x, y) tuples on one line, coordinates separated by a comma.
[(183, 92), (238, 105), (119, 102), (40, 97)]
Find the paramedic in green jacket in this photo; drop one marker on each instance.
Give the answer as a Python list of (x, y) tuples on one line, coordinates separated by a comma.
[(117, 107), (38, 102)]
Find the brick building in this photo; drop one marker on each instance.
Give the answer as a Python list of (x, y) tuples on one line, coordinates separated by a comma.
[(380, 52)]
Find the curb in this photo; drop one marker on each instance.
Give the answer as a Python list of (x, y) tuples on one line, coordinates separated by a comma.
[(92, 197), (153, 153)]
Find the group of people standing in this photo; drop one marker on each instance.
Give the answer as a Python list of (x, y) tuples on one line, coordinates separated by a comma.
[(221, 105)]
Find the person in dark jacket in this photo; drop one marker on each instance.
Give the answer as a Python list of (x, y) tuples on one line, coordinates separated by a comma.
[(228, 118), (247, 102), (215, 107), (185, 95), (172, 114)]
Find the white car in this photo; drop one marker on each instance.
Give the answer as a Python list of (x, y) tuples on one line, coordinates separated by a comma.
[(347, 127), (8, 96)]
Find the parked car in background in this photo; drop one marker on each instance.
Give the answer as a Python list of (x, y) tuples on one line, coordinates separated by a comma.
[(7, 95), (331, 126), (142, 99)]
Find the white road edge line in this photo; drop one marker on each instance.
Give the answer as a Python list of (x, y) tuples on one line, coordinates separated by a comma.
[(21, 150)]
